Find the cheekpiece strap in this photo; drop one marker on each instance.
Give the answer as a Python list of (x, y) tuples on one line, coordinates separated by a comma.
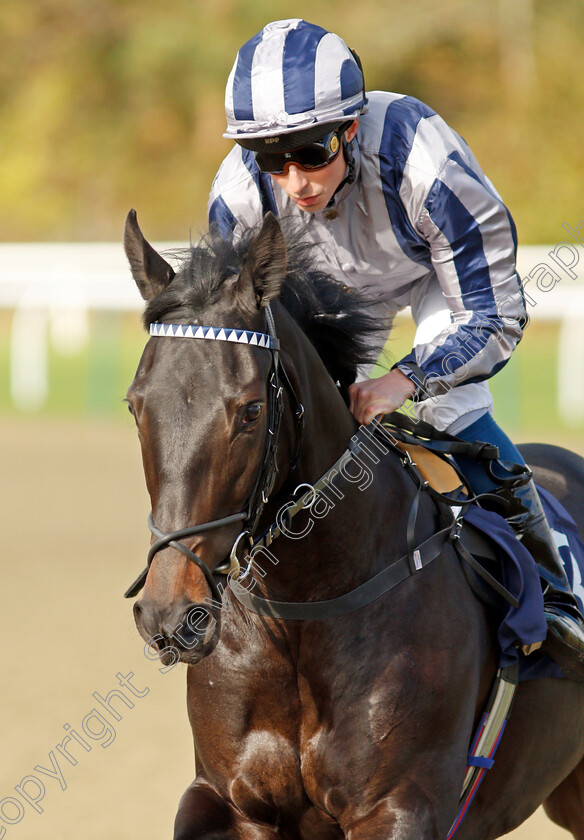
[(254, 339)]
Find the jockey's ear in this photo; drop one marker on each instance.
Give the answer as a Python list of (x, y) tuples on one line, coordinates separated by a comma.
[(264, 269), (150, 271), (352, 130)]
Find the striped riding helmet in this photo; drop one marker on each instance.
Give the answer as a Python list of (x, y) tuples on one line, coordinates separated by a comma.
[(291, 84)]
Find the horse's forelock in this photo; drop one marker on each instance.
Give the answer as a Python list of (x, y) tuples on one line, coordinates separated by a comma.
[(201, 274), (336, 319)]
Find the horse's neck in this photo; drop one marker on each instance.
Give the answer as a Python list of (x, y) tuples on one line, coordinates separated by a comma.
[(348, 510), (328, 422)]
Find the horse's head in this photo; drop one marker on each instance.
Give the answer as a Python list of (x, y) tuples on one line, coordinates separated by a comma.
[(203, 409)]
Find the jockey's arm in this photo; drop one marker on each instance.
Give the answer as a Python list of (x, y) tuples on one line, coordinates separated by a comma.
[(472, 244), (471, 241)]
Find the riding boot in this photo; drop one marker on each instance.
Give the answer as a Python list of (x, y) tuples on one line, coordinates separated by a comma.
[(565, 637)]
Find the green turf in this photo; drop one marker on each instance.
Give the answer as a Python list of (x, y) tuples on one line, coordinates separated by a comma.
[(94, 380), (525, 390)]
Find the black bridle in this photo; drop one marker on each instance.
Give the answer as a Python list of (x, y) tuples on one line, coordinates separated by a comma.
[(416, 558), (278, 379)]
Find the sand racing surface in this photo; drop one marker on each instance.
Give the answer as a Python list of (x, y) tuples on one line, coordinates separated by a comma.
[(73, 509)]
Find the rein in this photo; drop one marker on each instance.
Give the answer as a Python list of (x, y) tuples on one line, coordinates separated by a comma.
[(491, 727), (416, 557), (414, 560), (278, 378)]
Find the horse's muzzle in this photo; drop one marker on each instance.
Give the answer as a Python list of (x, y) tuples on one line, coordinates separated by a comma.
[(180, 632)]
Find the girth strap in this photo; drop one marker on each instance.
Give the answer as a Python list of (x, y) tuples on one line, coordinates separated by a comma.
[(504, 593)]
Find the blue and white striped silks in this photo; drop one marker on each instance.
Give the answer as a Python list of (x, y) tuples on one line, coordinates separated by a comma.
[(289, 76), (420, 214)]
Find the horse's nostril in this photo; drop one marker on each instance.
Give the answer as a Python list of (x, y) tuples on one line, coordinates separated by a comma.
[(147, 622), (137, 609), (198, 616), (192, 631), (182, 629)]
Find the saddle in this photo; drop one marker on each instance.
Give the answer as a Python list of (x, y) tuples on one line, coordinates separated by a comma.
[(430, 451), (438, 472), (444, 478)]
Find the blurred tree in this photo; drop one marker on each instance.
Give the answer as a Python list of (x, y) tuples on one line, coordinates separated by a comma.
[(108, 104)]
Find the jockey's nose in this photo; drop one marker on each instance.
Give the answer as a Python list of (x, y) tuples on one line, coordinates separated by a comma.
[(296, 179)]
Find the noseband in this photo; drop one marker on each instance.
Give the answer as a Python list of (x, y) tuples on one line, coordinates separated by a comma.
[(250, 515)]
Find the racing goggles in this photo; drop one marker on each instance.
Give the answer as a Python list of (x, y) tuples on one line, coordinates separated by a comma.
[(315, 155)]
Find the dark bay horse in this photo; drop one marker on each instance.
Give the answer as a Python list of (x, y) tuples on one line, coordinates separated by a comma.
[(352, 727)]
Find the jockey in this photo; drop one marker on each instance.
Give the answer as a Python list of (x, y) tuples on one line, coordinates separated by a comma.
[(396, 205)]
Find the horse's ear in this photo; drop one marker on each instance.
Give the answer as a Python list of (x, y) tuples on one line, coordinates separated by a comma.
[(150, 271), (264, 269)]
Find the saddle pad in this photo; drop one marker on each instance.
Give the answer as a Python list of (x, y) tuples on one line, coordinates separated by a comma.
[(436, 470), (527, 624)]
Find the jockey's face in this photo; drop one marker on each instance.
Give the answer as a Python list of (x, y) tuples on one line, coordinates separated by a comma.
[(312, 189)]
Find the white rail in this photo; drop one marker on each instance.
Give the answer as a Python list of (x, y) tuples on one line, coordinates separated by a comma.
[(53, 286)]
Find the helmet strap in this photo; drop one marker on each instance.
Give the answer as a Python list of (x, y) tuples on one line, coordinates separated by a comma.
[(350, 161)]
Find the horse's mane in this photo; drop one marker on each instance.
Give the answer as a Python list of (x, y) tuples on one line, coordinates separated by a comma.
[(336, 319)]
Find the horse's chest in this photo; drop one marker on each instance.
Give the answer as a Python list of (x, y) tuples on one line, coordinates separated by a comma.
[(259, 739), (245, 712), (281, 736), (270, 785)]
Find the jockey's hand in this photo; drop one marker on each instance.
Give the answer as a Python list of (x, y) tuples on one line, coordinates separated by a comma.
[(379, 396)]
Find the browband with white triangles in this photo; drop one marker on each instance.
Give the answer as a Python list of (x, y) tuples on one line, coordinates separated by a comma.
[(255, 339)]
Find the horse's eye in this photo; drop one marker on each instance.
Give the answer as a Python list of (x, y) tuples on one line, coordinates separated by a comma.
[(252, 412)]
